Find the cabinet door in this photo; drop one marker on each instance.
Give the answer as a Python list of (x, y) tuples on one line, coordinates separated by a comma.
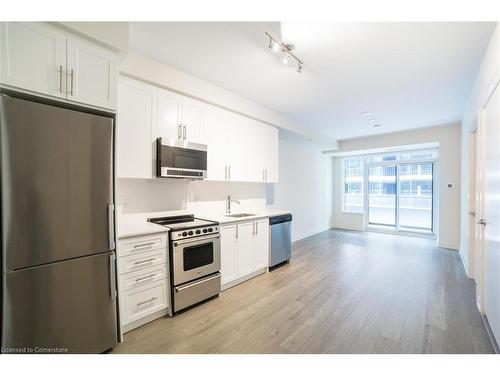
[(169, 123), (243, 154), (136, 127), (270, 152), (261, 246), (215, 137), (193, 121), (33, 57), (229, 253), (246, 243), (92, 72)]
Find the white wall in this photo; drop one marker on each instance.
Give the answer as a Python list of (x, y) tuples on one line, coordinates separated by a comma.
[(448, 171), (304, 188), (112, 34), (487, 77)]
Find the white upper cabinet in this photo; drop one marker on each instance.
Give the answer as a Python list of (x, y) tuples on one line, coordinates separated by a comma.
[(239, 148), (45, 60), (193, 129), (92, 73), (216, 139), (136, 129), (33, 57), (169, 124), (270, 153)]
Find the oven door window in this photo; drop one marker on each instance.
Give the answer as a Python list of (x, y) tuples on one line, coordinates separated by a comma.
[(198, 256)]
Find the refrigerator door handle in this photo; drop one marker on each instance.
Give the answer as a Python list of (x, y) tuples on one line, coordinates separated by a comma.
[(111, 226), (112, 275)]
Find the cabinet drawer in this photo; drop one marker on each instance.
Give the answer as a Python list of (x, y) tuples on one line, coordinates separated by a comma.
[(140, 302), (136, 245), (142, 277), (142, 261)]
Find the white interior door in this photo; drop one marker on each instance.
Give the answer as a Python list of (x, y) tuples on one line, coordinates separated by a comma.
[(490, 165)]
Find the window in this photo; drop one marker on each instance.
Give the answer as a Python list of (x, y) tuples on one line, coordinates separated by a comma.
[(353, 185)]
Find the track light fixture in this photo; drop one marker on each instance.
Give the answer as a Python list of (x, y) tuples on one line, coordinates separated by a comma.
[(286, 49)]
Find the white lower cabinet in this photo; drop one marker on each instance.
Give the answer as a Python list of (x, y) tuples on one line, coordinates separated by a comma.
[(142, 301), (244, 250), (143, 279)]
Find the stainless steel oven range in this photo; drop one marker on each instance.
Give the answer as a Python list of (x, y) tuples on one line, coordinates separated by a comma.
[(194, 259)]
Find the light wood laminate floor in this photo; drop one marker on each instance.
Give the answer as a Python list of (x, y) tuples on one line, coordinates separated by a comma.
[(342, 292)]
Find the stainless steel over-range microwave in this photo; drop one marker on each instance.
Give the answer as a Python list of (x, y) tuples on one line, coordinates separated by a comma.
[(180, 159)]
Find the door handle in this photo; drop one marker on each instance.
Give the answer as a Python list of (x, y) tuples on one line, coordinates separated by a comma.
[(472, 213), (71, 74), (184, 132), (482, 222), (112, 275), (111, 226), (60, 79)]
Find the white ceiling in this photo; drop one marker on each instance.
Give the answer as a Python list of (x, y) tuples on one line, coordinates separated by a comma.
[(408, 75)]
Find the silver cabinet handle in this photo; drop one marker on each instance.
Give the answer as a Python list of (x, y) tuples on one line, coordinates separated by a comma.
[(256, 228), (237, 227), (179, 132), (146, 301), (225, 172), (184, 132), (266, 174), (111, 226), (144, 245), (71, 74), (229, 172), (145, 278), (112, 275), (60, 79), (253, 231), (145, 261)]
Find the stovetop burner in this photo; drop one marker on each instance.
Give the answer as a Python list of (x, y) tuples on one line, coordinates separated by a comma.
[(182, 222)]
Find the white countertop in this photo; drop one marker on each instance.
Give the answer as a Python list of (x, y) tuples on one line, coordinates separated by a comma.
[(131, 225)]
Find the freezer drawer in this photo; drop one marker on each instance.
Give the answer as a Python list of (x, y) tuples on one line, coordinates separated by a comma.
[(69, 305)]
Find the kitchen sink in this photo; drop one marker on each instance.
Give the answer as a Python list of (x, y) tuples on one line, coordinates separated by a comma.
[(240, 215)]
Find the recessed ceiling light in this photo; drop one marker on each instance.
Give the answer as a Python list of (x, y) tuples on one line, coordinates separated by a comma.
[(366, 113), (377, 125)]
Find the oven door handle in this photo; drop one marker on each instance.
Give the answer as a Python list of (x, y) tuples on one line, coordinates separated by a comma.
[(197, 239), (181, 288)]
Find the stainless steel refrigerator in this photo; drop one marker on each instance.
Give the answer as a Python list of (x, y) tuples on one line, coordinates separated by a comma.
[(58, 260)]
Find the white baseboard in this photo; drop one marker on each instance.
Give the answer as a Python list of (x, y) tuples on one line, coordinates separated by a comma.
[(465, 264), (346, 227), (309, 234), (448, 246)]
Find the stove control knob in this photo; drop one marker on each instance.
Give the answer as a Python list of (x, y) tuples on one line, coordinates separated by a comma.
[(190, 232), (205, 230), (184, 234), (198, 231), (210, 229)]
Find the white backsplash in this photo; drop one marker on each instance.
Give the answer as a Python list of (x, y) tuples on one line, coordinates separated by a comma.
[(141, 195)]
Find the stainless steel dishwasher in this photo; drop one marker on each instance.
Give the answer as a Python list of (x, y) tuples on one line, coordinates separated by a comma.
[(280, 239)]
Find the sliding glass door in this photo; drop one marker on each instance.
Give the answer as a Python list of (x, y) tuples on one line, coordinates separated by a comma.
[(400, 194), (415, 196), (382, 199)]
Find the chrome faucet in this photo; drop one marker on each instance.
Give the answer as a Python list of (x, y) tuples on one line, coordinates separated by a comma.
[(228, 204)]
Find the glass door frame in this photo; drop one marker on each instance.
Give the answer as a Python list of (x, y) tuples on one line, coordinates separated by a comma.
[(397, 163)]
